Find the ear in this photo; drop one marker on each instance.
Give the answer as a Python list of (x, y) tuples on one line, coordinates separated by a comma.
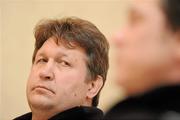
[(177, 46), (94, 87), (175, 72)]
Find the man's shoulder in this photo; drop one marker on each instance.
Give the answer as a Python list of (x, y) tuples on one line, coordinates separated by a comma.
[(150, 106), (27, 116), (160, 98), (80, 113), (76, 113)]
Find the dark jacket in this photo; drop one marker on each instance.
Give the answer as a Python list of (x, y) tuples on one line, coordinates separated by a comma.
[(77, 113), (159, 104)]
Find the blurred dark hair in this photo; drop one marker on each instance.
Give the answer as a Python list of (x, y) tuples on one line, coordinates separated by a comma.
[(172, 12), (75, 32)]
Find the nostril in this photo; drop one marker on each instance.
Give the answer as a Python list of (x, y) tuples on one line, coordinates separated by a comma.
[(48, 77)]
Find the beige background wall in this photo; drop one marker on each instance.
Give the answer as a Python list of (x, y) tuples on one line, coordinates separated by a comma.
[(0, 62), (17, 20)]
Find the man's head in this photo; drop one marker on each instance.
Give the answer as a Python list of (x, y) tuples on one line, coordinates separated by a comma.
[(149, 47), (70, 64)]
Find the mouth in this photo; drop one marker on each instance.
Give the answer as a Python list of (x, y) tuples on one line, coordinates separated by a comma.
[(40, 87)]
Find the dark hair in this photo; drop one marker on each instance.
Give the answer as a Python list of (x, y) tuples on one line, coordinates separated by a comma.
[(74, 32), (172, 12)]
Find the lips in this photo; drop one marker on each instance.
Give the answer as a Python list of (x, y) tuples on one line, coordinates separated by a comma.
[(43, 87)]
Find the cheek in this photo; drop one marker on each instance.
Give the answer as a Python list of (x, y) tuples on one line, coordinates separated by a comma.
[(142, 43), (71, 90), (32, 78), (141, 50), (29, 84), (71, 82)]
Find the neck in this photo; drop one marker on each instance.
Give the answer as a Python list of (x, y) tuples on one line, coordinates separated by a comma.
[(45, 114), (42, 114)]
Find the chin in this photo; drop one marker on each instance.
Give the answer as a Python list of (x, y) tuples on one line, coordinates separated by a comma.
[(40, 102)]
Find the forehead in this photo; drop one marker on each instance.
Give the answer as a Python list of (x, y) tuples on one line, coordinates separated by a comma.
[(54, 46)]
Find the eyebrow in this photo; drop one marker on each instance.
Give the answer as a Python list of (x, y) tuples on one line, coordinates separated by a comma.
[(40, 54), (58, 54)]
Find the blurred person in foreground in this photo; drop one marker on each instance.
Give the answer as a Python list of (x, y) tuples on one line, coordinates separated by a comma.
[(148, 62), (69, 68)]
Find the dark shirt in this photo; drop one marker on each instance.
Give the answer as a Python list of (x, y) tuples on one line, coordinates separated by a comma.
[(77, 113), (159, 104)]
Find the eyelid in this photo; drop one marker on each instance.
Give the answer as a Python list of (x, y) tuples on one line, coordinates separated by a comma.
[(40, 58), (66, 62)]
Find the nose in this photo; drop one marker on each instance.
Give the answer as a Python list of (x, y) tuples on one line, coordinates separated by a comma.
[(47, 73), (117, 39)]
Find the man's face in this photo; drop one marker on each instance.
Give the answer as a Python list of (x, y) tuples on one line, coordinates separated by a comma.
[(143, 47), (58, 78)]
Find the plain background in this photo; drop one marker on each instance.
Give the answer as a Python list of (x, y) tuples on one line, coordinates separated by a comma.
[(17, 20)]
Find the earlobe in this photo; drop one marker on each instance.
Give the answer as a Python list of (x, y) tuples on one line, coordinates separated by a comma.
[(94, 87)]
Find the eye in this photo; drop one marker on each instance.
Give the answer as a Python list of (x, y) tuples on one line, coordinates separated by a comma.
[(41, 60), (65, 63), (134, 17)]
